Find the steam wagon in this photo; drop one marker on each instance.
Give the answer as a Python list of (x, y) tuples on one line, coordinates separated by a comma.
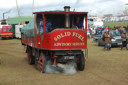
[(55, 36), (6, 31)]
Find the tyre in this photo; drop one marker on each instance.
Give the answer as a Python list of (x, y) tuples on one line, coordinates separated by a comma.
[(127, 46), (97, 43), (36, 59), (81, 63), (0, 38), (30, 57), (42, 62)]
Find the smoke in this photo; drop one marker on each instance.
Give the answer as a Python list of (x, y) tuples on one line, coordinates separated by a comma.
[(67, 69), (51, 69), (70, 69)]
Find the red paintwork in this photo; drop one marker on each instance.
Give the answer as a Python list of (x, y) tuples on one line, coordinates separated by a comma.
[(48, 41), (7, 33), (66, 39)]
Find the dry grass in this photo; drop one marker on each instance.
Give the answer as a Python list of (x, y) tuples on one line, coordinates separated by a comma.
[(102, 68), (112, 24)]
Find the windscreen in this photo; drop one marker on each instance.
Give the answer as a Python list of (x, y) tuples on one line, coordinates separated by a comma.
[(60, 20), (4, 30), (9, 29), (115, 33)]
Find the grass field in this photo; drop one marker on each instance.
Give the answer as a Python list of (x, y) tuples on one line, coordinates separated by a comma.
[(112, 24)]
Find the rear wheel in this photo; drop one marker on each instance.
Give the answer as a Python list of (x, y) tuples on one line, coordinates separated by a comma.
[(81, 63), (42, 62), (30, 57)]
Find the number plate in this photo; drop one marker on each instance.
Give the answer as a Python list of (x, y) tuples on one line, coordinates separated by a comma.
[(119, 43), (69, 57)]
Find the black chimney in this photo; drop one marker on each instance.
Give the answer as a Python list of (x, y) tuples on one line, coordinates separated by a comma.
[(67, 8), (67, 17)]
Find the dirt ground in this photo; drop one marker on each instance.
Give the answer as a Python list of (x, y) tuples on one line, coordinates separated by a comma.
[(102, 67)]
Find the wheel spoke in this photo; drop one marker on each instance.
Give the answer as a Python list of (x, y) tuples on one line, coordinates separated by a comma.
[(40, 62)]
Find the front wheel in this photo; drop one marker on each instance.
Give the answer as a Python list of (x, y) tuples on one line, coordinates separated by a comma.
[(42, 62)]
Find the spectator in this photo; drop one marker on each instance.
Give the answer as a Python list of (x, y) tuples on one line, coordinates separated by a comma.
[(127, 41), (127, 29), (88, 34), (102, 28), (107, 40), (107, 26), (120, 29), (93, 32), (98, 31), (124, 27), (115, 27), (117, 31), (106, 29), (111, 37), (90, 31), (123, 36)]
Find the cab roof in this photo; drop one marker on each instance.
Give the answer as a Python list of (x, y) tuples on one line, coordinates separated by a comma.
[(59, 12)]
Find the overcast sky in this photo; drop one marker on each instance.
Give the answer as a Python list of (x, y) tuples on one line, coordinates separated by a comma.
[(94, 7)]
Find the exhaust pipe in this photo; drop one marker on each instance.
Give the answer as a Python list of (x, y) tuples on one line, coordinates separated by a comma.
[(67, 20), (67, 8)]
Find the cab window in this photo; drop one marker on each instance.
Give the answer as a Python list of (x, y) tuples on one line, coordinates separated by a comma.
[(39, 19), (9, 29), (4, 30)]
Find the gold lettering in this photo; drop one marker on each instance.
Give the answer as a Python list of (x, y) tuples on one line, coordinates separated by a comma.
[(77, 44), (62, 44), (55, 39), (73, 33), (69, 44), (82, 38), (68, 33), (65, 34), (58, 36), (78, 36), (62, 35)]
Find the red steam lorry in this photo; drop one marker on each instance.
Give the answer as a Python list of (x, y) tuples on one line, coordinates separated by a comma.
[(62, 44), (5, 30)]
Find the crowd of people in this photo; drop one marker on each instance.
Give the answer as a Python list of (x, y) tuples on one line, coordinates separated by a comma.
[(105, 30)]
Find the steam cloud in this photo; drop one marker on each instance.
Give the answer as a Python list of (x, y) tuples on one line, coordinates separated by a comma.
[(67, 69)]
